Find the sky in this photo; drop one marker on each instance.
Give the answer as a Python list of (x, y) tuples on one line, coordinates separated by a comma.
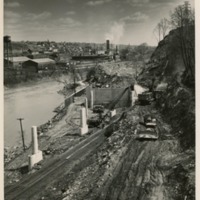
[(121, 21)]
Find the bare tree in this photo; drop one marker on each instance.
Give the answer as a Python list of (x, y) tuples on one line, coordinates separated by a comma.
[(164, 26), (157, 32), (182, 19), (182, 16), (161, 29)]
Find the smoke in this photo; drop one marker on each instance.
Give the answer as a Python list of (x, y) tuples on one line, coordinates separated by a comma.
[(116, 32)]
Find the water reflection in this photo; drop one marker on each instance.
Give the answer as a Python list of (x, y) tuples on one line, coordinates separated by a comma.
[(34, 103)]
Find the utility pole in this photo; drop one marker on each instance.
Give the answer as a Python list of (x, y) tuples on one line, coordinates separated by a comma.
[(20, 120), (74, 81)]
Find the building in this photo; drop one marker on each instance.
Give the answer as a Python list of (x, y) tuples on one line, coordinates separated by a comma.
[(100, 52), (17, 62), (39, 64)]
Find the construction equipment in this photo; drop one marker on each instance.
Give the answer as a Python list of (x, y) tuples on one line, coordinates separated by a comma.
[(148, 134), (145, 98), (149, 121), (94, 122), (112, 105), (98, 109), (104, 118), (99, 85), (149, 131), (107, 117)]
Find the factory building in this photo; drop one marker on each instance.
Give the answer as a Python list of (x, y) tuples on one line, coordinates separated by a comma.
[(36, 65), (16, 62)]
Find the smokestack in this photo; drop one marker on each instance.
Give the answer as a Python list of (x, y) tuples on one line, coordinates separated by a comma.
[(116, 49), (107, 45)]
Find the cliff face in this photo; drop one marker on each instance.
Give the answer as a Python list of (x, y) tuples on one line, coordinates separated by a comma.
[(177, 100)]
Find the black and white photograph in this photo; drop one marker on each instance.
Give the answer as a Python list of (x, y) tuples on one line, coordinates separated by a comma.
[(99, 99)]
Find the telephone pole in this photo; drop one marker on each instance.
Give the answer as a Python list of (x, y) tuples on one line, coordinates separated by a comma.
[(20, 120), (74, 81)]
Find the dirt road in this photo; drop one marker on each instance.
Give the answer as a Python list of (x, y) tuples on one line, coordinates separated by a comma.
[(118, 167)]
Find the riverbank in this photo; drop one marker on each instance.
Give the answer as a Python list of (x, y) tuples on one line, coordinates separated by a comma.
[(39, 80), (16, 76), (25, 98)]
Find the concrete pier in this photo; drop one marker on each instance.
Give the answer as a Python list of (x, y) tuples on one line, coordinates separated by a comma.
[(92, 99), (34, 140), (134, 97), (36, 154), (138, 89), (86, 106), (83, 121), (113, 113)]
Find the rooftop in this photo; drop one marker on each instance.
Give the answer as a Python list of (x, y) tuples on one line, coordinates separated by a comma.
[(43, 60), (20, 59)]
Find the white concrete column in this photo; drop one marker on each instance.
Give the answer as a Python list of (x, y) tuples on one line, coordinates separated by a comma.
[(134, 97), (83, 117), (30, 162), (36, 154), (113, 113), (86, 106), (92, 99), (34, 140), (83, 121)]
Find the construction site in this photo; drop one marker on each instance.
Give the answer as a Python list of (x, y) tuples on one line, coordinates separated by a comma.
[(125, 127), (113, 141)]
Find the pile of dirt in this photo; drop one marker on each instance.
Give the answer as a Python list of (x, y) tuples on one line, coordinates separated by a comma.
[(114, 75)]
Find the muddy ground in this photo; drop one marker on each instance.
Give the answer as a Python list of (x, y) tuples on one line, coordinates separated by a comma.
[(122, 167), (125, 168)]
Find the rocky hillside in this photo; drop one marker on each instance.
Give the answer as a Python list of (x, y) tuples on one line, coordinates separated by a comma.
[(166, 72)]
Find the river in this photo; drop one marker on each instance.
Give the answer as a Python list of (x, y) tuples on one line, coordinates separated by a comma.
[(35, 103)]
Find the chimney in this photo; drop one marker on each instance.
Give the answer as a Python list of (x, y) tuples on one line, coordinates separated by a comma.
[(107, 46), (116, 49)]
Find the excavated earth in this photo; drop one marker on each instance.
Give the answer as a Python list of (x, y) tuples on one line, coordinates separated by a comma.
[(120, 167), (125, 168)]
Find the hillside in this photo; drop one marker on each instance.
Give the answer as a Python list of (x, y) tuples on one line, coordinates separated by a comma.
[(177, 102)]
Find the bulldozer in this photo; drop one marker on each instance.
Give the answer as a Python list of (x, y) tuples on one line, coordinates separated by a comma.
[(149, 130), (149, 121)]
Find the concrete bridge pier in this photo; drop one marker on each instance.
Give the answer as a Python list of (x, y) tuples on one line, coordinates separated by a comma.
[(91, 99), (36, 154), (86, 106), (113, 112), (83, 124)]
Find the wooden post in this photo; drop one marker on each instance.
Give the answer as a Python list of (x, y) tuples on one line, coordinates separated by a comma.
[(22, 133)]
